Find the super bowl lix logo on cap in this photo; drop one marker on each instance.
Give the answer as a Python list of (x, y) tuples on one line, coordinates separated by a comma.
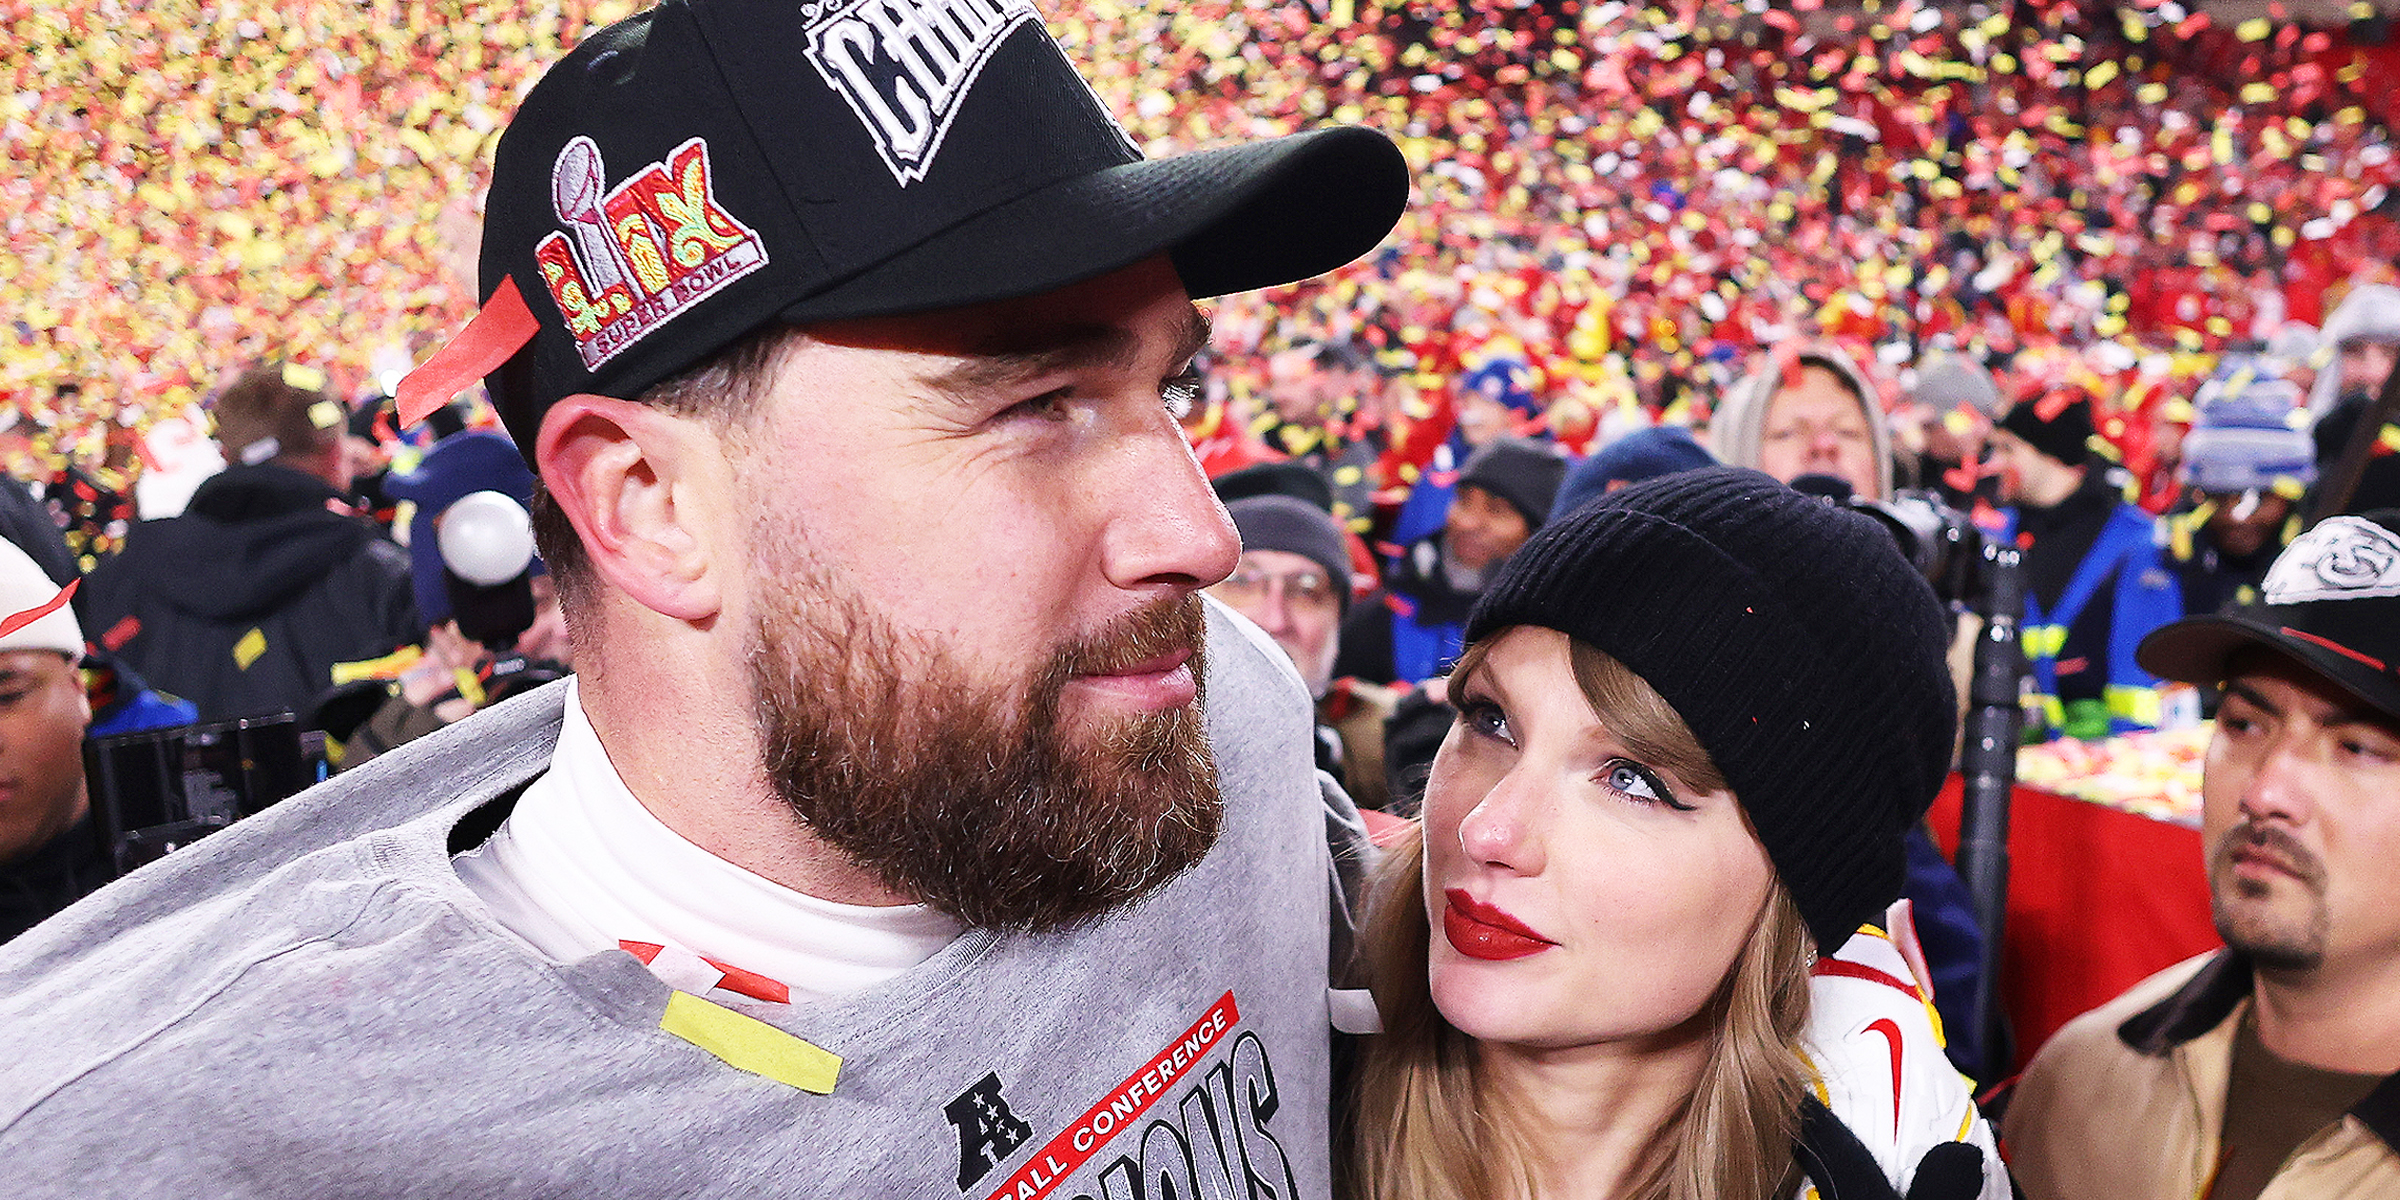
[(2343, 558), (903, 67), (652, 247)]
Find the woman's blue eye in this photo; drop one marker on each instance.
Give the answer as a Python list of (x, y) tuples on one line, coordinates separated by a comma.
[(1633, 780), (1485, 717)]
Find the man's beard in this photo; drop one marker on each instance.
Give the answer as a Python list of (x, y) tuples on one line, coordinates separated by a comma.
[(978, 798), (2245, 915)]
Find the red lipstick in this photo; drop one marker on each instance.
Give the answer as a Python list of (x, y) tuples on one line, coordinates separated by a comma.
[(1479, 930)]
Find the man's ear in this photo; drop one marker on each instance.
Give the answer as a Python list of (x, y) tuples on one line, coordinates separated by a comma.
[(635, 481)]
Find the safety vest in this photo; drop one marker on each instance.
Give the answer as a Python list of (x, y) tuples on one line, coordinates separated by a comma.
[(2123, 552)]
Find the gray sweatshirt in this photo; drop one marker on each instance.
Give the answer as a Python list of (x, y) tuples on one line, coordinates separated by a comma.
[(312, 1004)]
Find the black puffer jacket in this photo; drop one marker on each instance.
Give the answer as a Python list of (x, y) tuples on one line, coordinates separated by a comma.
[(244, 604)]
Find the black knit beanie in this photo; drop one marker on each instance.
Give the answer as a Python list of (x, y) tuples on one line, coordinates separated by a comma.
[(1295, 526), (2057, 422), (1525, 474), (1802, 650)]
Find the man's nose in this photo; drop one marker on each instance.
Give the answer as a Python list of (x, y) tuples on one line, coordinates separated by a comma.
[(1275, 605), (1174, 532), (2279, 790)]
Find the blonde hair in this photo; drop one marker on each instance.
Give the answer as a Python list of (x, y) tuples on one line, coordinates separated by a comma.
[(1425, 1124)]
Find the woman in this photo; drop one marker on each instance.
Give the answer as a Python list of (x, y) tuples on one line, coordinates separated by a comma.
[(1695, 719)]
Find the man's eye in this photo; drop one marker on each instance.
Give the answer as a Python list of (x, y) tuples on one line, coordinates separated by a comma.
[(1182, 393), (2372, 749), (1049, 406)]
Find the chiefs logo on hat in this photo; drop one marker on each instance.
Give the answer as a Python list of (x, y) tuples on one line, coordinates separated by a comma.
[(2344, 558), (653, 247)]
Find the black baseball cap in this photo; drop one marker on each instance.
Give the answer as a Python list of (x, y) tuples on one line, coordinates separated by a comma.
[(706, 167), (2331, 600)]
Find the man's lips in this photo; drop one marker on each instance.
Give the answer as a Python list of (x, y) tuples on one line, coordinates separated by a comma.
[(1160, 682), (1479, 930), (1158, 665), (2261, 859)]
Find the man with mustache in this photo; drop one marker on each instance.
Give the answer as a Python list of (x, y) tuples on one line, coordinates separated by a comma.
[(2271, 1068), (882, 845)]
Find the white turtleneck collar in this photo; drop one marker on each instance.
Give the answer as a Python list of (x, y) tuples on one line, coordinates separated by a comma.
[(581, 867)]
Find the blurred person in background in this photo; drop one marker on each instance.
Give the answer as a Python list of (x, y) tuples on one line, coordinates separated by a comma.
[(50, 856), (246, 602), (453, 673), (2247, 465), (2094, 580), (1411, 631), (1955, 398), (1807, 410), (1642, 454), (2363, 332), (1489, 402), (1293, 579)]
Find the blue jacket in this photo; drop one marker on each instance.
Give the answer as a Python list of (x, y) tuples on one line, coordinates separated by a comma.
[(2119, 592)]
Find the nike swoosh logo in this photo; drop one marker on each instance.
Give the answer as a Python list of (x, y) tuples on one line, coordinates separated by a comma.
[(1890, 1030)]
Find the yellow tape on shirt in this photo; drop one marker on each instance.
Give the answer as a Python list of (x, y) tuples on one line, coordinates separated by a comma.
[(752, 1045)]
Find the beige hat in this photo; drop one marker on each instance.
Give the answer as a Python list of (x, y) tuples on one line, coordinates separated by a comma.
[(25, 590)]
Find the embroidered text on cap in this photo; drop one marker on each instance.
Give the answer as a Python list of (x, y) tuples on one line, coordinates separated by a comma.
[(903, 67)]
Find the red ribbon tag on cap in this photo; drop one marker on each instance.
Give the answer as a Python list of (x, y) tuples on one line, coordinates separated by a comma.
[(495, 335), (29, 616)]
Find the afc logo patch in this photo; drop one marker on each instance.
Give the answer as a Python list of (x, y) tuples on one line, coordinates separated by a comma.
[(988, 1133)]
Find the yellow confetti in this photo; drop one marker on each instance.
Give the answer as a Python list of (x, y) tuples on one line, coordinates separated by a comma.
[(247, 650)]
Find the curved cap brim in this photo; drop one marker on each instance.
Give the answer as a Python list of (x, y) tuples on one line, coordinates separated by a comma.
[(1234, 219), (2196, 650)]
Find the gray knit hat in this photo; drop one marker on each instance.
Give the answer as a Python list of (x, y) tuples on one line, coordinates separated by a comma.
[(1295, 526), (1800, 647)]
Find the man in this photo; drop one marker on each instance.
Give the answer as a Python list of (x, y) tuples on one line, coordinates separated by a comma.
[(2270, 1068), (1293, 581), (1413, 629), (49, 855), (2245, 469), (2094, 585), (417, 691), (244, 604), (846, 342), (1956, 399), (2364, 333), (1808, 411)]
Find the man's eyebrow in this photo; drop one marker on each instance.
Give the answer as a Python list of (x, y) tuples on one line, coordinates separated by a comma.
[(2251, 696), (1012, 359), (2343, 715)]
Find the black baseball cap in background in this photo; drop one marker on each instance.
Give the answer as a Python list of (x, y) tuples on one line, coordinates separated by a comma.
[(706, 167), (2331, 600)]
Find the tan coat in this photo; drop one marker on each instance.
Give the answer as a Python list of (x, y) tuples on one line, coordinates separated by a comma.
[(2126, 1102)]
